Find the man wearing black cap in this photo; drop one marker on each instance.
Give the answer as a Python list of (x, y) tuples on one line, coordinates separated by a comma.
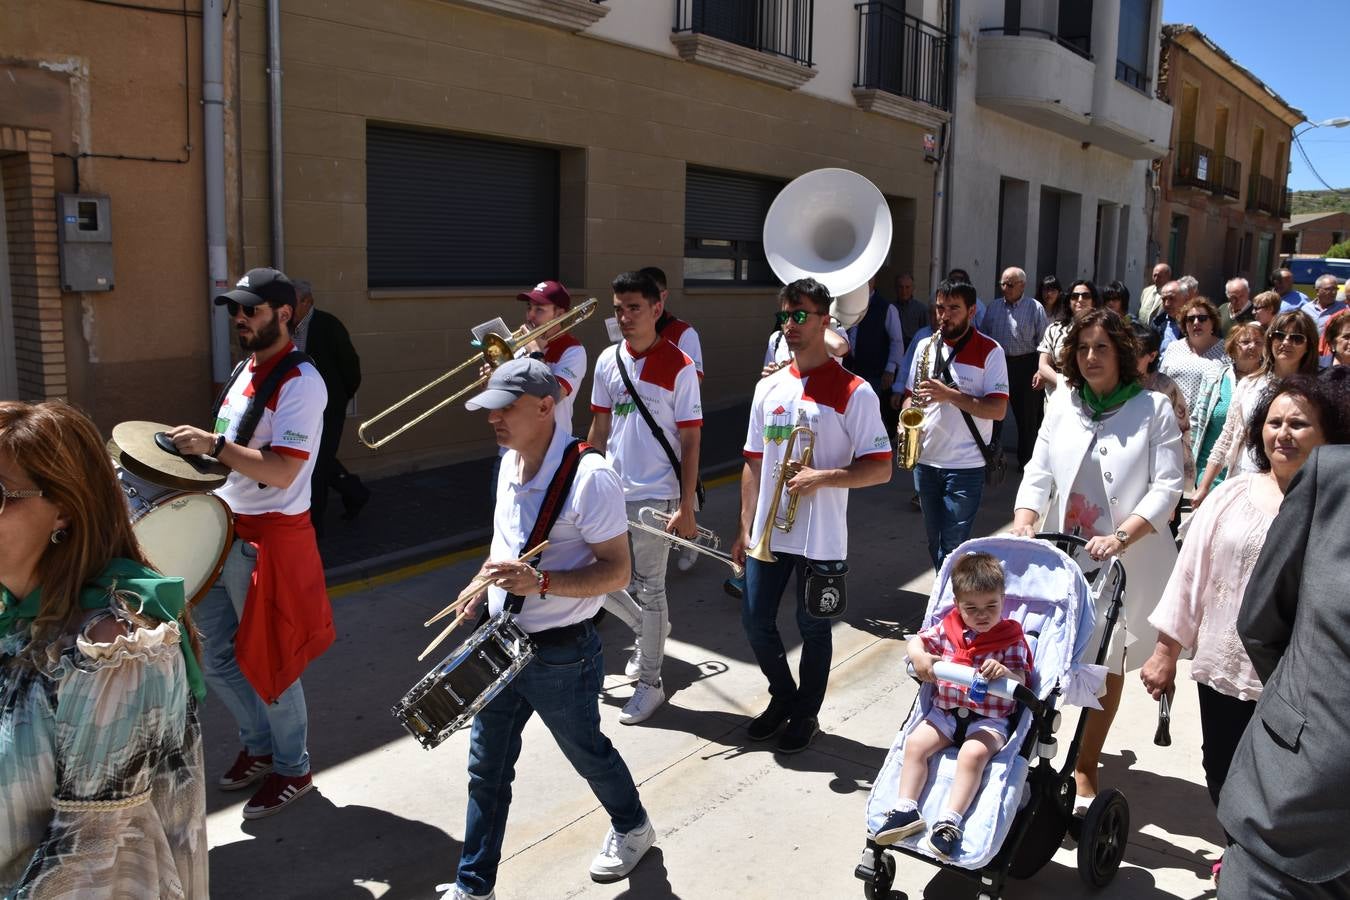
[(556, 595), (267, 615)]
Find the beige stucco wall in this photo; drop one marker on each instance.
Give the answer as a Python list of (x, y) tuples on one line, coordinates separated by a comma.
[(628, 121), (111, 80)]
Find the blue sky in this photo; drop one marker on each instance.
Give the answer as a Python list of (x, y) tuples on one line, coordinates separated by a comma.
[(1298, 49)]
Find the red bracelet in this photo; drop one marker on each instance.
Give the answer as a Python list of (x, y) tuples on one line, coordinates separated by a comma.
[(544, 581)]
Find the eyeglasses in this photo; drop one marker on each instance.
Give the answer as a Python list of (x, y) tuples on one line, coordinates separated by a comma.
[(1083, 295), (1008, 283), (1199, 317), (798, 316), (233, 309), (1292, 337), (6, 494)]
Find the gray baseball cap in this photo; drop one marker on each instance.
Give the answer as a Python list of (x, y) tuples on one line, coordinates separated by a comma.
[(513, 380)]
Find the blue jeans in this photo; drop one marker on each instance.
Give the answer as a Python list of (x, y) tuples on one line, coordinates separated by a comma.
[(562, 683), (950, 498), (764, 586), (281, 728)]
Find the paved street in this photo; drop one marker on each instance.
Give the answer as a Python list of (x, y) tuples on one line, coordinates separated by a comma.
[(733, 819)]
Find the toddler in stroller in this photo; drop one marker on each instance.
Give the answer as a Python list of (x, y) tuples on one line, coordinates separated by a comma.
[(974, 633), (1020, 804)]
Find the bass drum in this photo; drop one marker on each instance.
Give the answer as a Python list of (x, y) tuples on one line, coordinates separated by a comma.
[(182, 534)]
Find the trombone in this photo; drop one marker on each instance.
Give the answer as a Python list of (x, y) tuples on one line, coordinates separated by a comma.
[(788, 468), (653, 521), (495, 351)]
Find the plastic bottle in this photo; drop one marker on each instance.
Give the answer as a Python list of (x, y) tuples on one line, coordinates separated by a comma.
[(979, 687)]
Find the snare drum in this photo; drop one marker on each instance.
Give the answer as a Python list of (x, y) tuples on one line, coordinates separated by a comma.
[(450, 695), (182, 534)]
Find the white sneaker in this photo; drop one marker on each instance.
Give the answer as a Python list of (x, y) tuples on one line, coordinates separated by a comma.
[(454, 892), (622, 852), (685, 559), (646, 700), (633, 668)]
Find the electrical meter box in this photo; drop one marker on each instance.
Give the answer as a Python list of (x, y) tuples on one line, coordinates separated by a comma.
[(85, 230)]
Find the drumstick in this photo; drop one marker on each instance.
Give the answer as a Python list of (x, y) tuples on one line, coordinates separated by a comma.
[(477, 584), (442, 636)]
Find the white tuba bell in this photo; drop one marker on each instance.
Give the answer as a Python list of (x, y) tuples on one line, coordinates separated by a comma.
[(832, 225)]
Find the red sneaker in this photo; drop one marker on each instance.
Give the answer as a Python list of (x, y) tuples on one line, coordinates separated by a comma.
[(276, 793), (246, 770)]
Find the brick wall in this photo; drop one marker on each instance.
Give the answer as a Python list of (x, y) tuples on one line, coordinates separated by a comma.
[(34, 271)]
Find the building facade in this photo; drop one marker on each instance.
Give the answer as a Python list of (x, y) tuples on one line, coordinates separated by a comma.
[(1313, 234), (1222, 196), (1056, 125)]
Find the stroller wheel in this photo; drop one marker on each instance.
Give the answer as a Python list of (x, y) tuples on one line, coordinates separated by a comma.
[(1105, 832), (879, 887)]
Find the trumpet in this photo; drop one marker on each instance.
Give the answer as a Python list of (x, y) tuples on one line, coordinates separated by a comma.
[(789, 467), (653, 521), (495, 351)]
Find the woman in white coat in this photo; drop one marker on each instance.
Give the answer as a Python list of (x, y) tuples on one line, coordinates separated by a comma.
[(1109, 458)]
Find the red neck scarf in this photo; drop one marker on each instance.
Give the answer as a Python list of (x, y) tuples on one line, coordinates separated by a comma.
[(1005, 634)]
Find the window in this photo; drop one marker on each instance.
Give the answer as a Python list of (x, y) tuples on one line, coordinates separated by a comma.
[(1176, 243), (1132, 43), (724, 228), (449, 211), (1075, 26)]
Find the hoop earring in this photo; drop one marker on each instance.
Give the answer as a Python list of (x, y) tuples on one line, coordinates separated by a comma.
[(58, 536)]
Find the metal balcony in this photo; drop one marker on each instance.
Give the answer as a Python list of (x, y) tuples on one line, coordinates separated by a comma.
[(781, 28), (1261, 195), (902, 55)]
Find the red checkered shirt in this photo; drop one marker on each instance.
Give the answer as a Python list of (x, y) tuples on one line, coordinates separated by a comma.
[(952, 696)]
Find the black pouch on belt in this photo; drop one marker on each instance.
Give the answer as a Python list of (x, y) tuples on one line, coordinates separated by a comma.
[(826, 597)]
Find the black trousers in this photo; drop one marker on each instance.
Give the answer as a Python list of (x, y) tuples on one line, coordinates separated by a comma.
[(1025, 403), (1223, 719), (329, 473)]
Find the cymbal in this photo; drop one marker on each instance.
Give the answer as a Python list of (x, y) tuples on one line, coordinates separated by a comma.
[(133, 446)]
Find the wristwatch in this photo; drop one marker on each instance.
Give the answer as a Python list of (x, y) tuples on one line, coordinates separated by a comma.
[(1123, 536)]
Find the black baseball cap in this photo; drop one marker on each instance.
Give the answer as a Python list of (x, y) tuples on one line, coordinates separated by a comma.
[(260, 286)]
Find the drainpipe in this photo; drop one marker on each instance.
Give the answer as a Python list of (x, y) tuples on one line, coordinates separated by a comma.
[(213, 136), (274, 129), (942, 179)]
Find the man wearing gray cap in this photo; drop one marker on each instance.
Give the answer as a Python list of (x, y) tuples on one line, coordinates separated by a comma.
[(556, 594)]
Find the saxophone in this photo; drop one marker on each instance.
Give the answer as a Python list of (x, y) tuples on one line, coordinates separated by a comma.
[(910, 432)]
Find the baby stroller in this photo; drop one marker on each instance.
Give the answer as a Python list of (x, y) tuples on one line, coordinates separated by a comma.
[(1024, 806)]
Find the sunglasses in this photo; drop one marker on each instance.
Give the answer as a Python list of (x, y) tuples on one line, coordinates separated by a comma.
[(1202, 317), (233, 309), (1292, 337), (798, 316), (1082, 295), (6, 495)]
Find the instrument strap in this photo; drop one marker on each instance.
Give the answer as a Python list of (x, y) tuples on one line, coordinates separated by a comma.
[(261, 395), (558, 489), (944, 373), (655, 429)]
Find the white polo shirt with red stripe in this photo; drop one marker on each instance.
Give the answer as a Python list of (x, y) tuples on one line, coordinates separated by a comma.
[(682, 335), (566, 359), (291, 425), (843, 411), (667, 380), (980, 370)]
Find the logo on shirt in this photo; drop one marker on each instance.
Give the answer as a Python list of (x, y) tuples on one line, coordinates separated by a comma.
[(625, 406), (778, 426), (294, 437)]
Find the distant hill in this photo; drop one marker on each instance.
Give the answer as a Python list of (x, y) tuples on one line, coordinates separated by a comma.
[(1320, 201)]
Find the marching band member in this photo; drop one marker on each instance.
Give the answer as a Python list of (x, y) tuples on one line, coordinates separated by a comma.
[(557, 595), (851, 450), (253, 662), (564, 355), (646, 377), (676, 330)]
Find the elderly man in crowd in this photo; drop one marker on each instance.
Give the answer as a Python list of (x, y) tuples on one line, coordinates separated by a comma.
[(1283, 283), (1150, 300), (1018, 323), (1239, 306), (1165, 320)]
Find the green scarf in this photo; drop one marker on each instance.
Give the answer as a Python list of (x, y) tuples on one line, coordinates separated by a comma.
[(162, 598), (1101, 405)]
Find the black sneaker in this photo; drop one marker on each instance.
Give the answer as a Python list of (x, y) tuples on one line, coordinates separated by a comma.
[(767, 723), (945, 840), (898, 826), (798, 734)]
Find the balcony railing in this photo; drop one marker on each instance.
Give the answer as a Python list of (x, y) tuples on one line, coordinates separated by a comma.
[(1128, 74), (1261, 195), (781, 28), (1226, 177), (902, 55), (1194, 166), (1079, 47)]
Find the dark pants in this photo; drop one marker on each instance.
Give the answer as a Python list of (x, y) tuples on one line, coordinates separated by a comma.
[(1222, 721), (764, 586), (889, 417), (1027, 404), (329, 473), (562, 684), (1247, 878)]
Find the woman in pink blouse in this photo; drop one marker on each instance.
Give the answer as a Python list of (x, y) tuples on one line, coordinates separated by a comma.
[(1200, 604)]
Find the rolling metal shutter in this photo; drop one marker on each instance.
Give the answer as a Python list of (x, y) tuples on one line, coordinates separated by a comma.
[(446, 211), (726, 207)]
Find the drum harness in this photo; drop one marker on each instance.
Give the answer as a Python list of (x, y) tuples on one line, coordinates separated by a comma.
[(558, 489), (248, 423)]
